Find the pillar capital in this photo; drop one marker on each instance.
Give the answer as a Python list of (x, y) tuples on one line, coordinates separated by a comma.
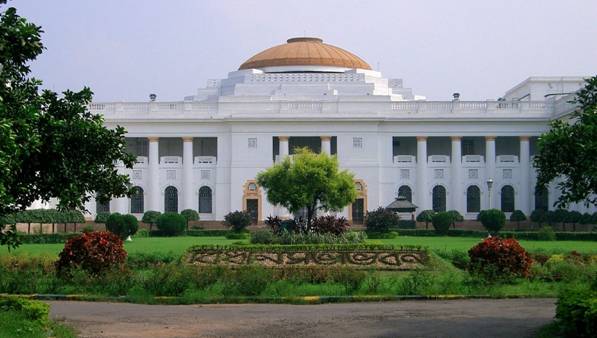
[(153, 138), (187, 138), (456, 138), (489, 138), (524, 138), (421, 138), (283, 138), (325, 138)]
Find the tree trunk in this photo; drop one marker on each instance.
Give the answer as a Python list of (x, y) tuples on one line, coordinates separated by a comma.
[(53, 230), (41, 229), (75, 226), (64, 227), (29, 228)]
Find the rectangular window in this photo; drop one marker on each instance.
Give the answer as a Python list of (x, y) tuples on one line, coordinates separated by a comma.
[(252, 142), (357, 142), (468, 147)]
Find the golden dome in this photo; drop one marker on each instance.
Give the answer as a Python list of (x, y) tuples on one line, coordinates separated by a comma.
[(305, 51)]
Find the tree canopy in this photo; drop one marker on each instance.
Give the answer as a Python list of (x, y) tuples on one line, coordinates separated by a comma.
[(308, 180), (50, 144), (568, 152)]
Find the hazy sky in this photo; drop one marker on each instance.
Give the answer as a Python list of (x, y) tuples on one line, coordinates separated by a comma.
[(126, 49)]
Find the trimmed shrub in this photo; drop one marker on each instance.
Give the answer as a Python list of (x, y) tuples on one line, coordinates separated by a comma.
[(237, 220), (585, 218), (142, 233), (330, 224), (150, 217), (30, 309), (171, 224), (237, 235), (546, 233), (122, 225), (518, 216), (539, 216), (94, 252), (190, 215), (278, 225), (102, 217), (382, 235), (456, 217), (441, 222), (573, 217), (262, 236), (576, 311), (497, 258), (492, 219), (381, 220), (425, 216)]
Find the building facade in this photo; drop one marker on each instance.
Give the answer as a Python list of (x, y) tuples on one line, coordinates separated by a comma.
[(205, 151)]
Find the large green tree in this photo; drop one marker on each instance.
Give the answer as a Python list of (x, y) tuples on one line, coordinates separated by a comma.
[(50, 144), (308, 180), (569, 151)]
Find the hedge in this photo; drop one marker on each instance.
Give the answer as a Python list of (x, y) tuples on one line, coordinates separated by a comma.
[(207, 233), (55, 238), (526, 235)]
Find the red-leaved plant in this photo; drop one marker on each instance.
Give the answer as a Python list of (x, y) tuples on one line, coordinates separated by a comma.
[(94, 252), (498, 258), (330, 224)]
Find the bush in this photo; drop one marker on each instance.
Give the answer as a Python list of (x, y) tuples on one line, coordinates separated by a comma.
[(94, 252), (122, 225), (441, 222), (190, 215), (171, 224), (518, 216), (330, 224), (585, 218), (456, 217), (262, 236), (425, 216), (237, 235), (351, 237), (237, 220), (142, 233), (576, 311), (381, 220), (150, 217), (546, 233), (493, 220), (278, 225), (102, 217), (497, 258), (539, 216), (30, 309)]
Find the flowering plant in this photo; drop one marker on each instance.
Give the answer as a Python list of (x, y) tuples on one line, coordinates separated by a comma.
[(93, 251)]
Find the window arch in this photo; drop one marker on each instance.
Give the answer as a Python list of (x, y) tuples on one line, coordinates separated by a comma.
[(507, 198), (102, 207), (205, 200), (439, 198), (541, 198), (138, 201), (171, 199), (473, 199), (405, 192)]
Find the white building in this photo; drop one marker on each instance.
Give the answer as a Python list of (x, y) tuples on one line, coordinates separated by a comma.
[(205, 151)]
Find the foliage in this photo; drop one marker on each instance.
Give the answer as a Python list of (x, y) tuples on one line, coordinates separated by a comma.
[(30, 309), (266, 236), (585, 218), (171, 223), (262, 236), (492, 219), (329, 224), (237, 235), (94, 252), (51, 146), (456, 217), (518, 216), (576, 312), (425, 216), (122, 225), (381, 235), (496, 258), (102, 217), (142, 233), (441, 222), (381, 220), (151, 217), (308, 180), (539, 216), (567, 151), (278, 225), (237, 220), (546, 233), (190, 215)]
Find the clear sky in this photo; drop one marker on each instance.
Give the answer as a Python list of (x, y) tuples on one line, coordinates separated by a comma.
[(126, 49)]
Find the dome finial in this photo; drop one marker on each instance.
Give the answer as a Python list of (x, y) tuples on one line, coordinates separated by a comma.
[(304, 39)]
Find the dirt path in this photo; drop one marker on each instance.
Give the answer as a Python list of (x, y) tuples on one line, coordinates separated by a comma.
[(454, 318)]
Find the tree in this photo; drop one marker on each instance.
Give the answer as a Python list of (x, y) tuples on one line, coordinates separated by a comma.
[(237, 220), (569, 151), (50, 145), (456, 217), (190, 215), (492, 219), (425, 216), (518, 216), (150, 217), (308, 180)]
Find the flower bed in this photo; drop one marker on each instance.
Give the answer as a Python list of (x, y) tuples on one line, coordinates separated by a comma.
[(379, 257)]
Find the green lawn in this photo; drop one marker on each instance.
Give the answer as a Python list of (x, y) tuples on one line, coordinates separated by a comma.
[(177, 245)]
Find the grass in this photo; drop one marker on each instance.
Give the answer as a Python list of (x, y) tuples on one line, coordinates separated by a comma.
[(14, 324)]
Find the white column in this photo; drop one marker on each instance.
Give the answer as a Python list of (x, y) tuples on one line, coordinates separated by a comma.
[(283, 146), (187, 173), (422, 174), (326, 144), (122, 205), (154, 174), (524, 200), (457, 195), (490, 167)]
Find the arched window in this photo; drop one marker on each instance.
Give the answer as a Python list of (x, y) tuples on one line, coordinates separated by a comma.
[(171, 199), (439, 198), (205, 200), (102, 207), (473, 199), (405, 191), (507, 198), (542, 199), (137, 201)]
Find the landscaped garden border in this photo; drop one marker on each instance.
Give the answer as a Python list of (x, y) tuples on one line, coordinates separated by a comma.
[(377, 257)]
